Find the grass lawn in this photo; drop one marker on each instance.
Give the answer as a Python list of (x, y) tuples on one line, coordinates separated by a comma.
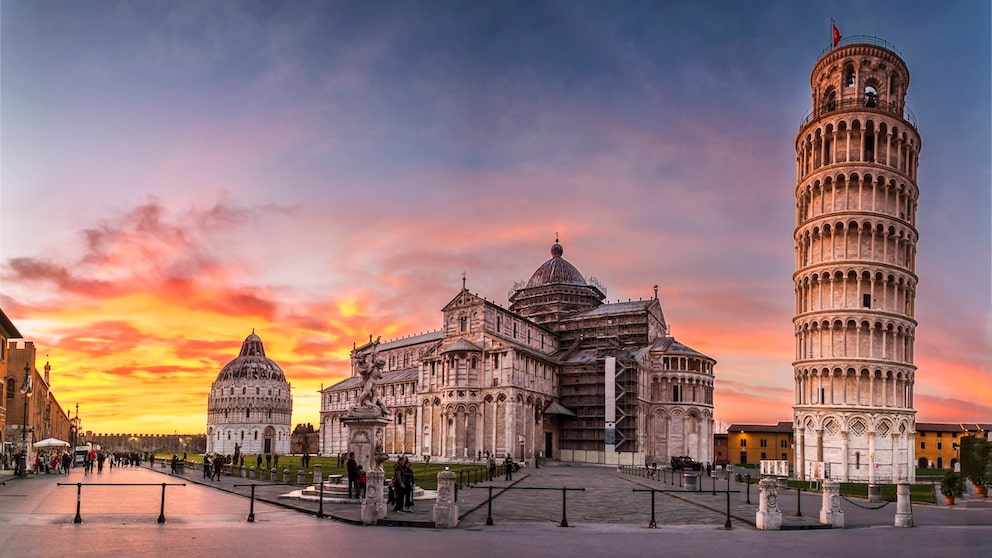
[(425, 474)]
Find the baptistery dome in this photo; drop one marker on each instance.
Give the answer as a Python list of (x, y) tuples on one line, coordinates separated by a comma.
[(250, 406), (251, 364)]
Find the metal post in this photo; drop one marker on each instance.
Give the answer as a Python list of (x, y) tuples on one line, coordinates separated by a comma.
[(320, 508), (79, 496), (161, 511), (251, 507), (727, 524), (713, 478), (749, 489), (564, 520), (489, 515), (799, 502), (653, 524)]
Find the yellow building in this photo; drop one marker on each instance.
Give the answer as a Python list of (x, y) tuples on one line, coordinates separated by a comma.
[(750, 443), (937, 443)]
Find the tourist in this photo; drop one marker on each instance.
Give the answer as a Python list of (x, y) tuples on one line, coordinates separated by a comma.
[(362, 481), (408, 481), (399, 487), (206, 466), (218, 466), (508, 465), (352, 468), (492, 467)]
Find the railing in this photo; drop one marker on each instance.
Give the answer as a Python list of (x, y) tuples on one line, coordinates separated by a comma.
[(79, 494), (871, 104), (861, 40)]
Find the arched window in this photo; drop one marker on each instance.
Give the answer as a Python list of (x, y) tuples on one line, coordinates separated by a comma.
[(463, 324), (472, 363), (247, 413), (871, 95), (499, 323), (830, 100), (849, 75)]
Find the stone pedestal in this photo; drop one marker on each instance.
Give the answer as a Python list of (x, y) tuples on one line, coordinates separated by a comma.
[(301, 476), (904, 506), (830, 512), (768, 516), (366, 432), (317, 474), (244, 472), (445, 508), (374, 504)]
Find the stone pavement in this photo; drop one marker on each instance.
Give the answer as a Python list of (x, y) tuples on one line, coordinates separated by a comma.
[(607, 496)]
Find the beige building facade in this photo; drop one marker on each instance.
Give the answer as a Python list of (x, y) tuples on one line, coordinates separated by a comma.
[(558, 374), (857, 155)]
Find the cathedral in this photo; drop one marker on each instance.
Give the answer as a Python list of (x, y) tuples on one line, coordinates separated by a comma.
[(558, 374), (250, 406)]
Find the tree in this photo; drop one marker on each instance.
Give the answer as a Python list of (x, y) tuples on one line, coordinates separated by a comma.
[(976, 459)]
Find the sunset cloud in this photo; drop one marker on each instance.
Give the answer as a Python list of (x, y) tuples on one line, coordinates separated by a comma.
[(194, 173)]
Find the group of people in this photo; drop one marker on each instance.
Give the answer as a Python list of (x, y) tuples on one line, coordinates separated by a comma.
[(401, 486)]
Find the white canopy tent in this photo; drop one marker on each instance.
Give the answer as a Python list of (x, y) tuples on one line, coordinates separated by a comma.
[(51, 443)]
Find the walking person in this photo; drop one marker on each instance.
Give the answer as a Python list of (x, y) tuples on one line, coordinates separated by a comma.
[(492, 468), (508, 465), (206, 467), (352, 468), (218, 466)]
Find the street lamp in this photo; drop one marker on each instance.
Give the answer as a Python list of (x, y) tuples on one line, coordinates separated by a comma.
[(27, 392)]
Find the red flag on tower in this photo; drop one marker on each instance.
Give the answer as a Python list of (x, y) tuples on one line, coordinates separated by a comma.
[(836, 32)]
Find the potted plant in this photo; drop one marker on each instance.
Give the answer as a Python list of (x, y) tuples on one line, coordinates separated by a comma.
[(951, 486)]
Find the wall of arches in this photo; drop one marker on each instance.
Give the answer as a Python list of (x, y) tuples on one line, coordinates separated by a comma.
[(859, 447)]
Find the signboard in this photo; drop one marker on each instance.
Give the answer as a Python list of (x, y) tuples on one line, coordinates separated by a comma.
[(774, 468), (817, 470), (611, 436)]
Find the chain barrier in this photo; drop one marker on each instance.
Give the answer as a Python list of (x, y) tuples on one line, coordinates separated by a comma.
[(853, 503)]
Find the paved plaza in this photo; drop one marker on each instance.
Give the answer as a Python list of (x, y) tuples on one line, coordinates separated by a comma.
[(610, 517)]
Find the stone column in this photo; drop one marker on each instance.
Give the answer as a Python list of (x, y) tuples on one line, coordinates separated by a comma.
[(768, 516), (318, 475), (445, 507), (904, 506), (830, 512), (244, 472), (300, 476)]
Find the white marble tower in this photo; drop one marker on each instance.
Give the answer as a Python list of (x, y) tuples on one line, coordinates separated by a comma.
[(857, 154)]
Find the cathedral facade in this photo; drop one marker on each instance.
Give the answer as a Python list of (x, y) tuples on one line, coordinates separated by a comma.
[(250, 405), (558, 374)]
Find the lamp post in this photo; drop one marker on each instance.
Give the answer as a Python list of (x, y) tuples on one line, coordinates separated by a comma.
[(27, 392)]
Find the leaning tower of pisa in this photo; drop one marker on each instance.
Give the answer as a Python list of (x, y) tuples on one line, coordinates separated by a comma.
[(857, 154)]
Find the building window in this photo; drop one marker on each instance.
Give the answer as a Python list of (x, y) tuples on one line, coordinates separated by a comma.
[(473, 363), (940, 434), (923, 445), (247, 413), (857, 460), (256, 434), (743, 442), (783, 443), (676, 394), (764, 443), (495, 362), (763, 455), (940, 445), (866, 300), (785, 457), (399, 418), (10, 389), (499, 323), (463, 323)]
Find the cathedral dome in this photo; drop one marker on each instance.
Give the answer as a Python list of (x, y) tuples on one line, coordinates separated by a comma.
[(251, 364), (556, 271)]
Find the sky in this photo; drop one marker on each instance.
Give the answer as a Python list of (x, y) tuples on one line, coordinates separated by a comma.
[(175, 175)]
